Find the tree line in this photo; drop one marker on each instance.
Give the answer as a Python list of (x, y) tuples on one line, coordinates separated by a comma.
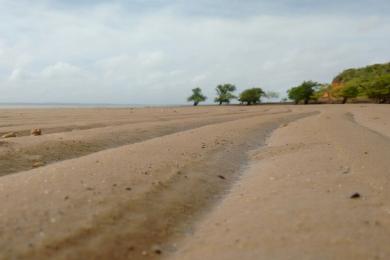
[(225, 94), (370, 82), (367, 83)]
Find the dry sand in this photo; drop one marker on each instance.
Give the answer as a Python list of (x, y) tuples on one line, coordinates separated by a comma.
[(196, 183)]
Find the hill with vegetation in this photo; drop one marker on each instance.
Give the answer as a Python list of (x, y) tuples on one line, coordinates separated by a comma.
[(371, 81)]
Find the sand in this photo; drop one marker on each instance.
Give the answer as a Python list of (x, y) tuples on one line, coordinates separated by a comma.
[(259, 182)]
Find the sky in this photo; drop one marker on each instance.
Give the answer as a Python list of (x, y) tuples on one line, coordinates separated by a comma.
[(155, 51)]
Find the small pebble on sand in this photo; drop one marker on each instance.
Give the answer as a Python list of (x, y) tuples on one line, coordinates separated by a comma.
[(36, 131), (356, 195), (157, 250), (346, 170)]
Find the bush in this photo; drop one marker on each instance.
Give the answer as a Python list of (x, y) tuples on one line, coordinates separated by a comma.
[(304, 92), (251, 96)]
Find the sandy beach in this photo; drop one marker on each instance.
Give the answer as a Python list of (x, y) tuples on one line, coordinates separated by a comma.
[(211, 182)]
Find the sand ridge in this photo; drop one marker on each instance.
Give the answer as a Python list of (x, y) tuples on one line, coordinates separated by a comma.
[(319, 190), (99, 194), (22, 153), (171, 183)]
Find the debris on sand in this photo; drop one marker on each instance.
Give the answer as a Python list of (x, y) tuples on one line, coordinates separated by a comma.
[(9, 135), (356, 195), (38, 164), (346, 170), (36, 131), (157, 250), (221, 177)]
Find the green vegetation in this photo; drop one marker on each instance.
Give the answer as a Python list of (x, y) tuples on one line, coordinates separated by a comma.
[(371, 81), (224, 93), (350, 90), (251, 96), (303, 92), (196, 96), (379, 89)]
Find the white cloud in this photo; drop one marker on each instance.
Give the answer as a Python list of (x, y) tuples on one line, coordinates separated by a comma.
[(151, 59), (107, 53), (19, 74), (61, 70)]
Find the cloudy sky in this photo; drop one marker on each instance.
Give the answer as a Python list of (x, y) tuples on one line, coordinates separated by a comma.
[(155, 51)]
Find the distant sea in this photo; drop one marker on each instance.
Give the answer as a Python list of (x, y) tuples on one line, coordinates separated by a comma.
[(76, 105)]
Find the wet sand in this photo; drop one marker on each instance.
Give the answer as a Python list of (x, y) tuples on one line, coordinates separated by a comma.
[(254, 182)]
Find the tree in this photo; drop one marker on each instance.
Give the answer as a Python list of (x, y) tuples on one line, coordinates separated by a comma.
[(349, 90), (251, 96), (196, 96), (295, 94), (303, 92), (224, 93), (379, 89)]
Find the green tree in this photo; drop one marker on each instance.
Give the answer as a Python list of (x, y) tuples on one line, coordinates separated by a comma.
[(196, 96), (224, 93), (379, 89), (295, 94), (349, 90), (251, 96), (304, 92)]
